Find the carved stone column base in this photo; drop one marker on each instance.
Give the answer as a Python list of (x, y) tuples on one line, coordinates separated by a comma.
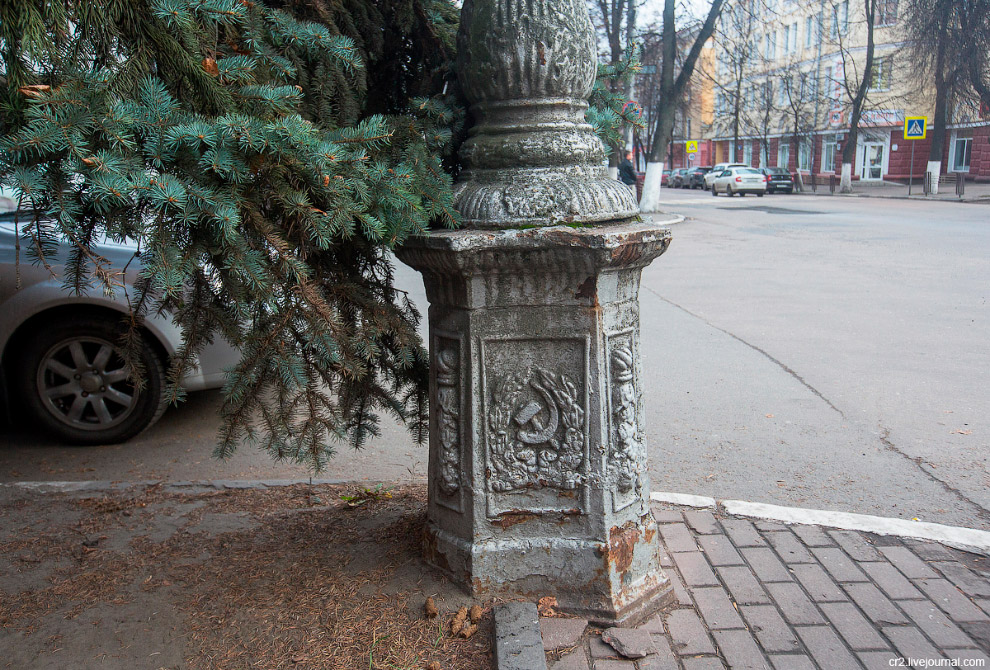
[(538, 481)]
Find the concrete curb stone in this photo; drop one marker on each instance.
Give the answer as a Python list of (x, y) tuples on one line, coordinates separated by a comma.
[(518, 645)]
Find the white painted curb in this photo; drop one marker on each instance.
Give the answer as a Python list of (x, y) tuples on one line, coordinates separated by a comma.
[(967, 539), (684, 499)]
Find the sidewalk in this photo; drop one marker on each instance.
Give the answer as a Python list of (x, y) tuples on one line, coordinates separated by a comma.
[(281, 574), (761, 594), (974, 192)]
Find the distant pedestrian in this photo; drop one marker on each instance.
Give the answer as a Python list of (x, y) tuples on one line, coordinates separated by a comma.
[(627, 173)]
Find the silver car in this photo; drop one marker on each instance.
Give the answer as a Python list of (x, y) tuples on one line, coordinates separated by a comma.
[(59, 351), (717, 170), (741, 180)]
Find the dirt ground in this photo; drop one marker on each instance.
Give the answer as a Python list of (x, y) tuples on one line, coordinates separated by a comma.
[(290, 577)]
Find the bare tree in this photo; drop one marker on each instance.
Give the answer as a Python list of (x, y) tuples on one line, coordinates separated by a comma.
[(799, 97), (856, 81), (949, 39), (739, 50), (616, 21), (670, 92)]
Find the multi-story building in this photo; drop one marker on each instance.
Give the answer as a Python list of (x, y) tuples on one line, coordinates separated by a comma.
[(694, 116), (781, 69)]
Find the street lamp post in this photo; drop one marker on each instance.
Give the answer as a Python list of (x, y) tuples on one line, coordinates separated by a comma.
[(538, 483)]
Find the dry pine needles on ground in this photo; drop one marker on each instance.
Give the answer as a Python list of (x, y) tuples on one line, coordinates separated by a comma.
[(263, 578)]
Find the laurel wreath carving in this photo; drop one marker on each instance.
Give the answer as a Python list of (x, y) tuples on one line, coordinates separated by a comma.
[(517, 457)]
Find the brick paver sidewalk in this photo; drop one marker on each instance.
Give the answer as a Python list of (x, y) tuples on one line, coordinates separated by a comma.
[(758, 594)]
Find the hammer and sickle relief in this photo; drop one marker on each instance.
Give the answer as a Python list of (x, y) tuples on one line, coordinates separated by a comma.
[(537, 428), (530, 414)]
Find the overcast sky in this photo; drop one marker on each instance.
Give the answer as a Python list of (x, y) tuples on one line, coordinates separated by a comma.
[(652, 9)]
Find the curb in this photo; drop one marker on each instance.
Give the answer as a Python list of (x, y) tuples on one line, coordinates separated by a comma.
[(518, 641), (967, 539), (977, 200), (180, 486), (678, 218)]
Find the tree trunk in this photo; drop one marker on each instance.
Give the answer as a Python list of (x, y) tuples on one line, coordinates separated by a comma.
[(937, 148), (849, 149), (670, 94), (654, 167), (858, 102)]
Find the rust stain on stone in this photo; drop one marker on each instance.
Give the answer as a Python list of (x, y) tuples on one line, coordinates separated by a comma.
[(621, 546), (510, 519), (627, 253)]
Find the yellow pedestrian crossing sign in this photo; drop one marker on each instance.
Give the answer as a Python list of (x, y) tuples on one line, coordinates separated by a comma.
[(915, 127), (692, 146)]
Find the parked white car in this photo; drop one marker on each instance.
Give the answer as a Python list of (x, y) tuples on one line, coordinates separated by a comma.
[(741, 180), (59, 353), (717, 170)]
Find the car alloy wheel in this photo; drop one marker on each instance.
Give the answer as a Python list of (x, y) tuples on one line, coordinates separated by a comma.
[(76, 383), (84, 383)]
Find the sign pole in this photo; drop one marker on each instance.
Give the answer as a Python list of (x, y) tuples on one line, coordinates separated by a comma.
[(915, 128), (911, 178)]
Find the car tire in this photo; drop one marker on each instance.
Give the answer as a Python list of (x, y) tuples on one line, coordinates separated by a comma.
[(714, 192), (729, 192), (759, 195), (73, 381)]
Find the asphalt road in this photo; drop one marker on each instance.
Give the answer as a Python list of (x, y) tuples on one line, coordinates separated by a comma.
[(826, 352)]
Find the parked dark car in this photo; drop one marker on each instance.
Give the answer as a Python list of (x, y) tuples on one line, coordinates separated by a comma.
[(665, 178), (696, 177), (676, 179), (778, 179)]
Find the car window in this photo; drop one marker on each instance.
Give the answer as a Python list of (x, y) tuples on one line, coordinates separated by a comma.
[(8, 203), (726, 173), (747, 171)]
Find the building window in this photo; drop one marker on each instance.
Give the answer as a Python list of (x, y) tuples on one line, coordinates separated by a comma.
[(771, 45), (809, 31), (765, 154), (829, 149), (794, 38), (804, 155), (962, 153), (886, 12), (881, 77), (747, 153), (783, 154), (840, 19)]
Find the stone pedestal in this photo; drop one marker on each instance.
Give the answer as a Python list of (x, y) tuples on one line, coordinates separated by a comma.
[(538, 481)]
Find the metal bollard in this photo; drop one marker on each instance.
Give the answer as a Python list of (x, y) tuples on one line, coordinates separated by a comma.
[(831, 183), (960, 184), (927, 184)]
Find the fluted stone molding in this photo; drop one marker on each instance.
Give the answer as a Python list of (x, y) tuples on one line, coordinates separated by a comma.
[(528, 67)]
